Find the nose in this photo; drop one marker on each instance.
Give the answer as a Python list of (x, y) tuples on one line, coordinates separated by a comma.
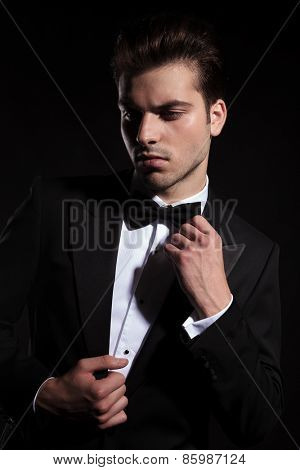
[(149, 130)]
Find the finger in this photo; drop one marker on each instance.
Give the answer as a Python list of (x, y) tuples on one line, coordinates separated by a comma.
[(172, 254), (189, 231), (114, 421), (180, 241), (91, 364), (103, 406), (171, 249), (102, 388), (201, 224), (114, 410)]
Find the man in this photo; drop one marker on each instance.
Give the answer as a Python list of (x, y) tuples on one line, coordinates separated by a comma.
[(145, 275)]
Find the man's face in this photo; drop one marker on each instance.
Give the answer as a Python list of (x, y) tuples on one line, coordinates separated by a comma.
[(163, 115)]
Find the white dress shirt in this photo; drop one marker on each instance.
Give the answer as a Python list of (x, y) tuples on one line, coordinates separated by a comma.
[(143, 277)]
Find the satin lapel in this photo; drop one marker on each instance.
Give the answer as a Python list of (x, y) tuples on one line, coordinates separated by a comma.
[(94, 275), (95, 260), (218, 216), (218, 213)]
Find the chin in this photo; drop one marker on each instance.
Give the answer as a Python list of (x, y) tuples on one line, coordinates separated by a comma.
[(155, 181)]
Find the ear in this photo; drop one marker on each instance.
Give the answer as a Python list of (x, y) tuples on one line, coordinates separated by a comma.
[(218, 115)]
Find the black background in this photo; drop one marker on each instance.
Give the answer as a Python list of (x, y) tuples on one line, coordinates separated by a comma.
[(254, 160)]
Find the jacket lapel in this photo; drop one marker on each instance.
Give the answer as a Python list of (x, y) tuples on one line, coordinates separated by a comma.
[(219, 214), (95, 275), (95, 261)]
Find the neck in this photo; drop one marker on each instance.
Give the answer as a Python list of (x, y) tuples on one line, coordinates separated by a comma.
[(173, 195), (187, 187)]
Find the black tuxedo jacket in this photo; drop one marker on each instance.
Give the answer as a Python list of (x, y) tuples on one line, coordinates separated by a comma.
[(231, 370)]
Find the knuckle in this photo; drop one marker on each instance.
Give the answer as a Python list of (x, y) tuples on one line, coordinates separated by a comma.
[(81, 364), (123, 379), (103, 407), (197, 221), (101, 419), (100, 394), (93, 391), (206, 240), (120, 377), (184, 227), (106, 358), (185, 255), (103, 426), (197, 237), (118, 419)]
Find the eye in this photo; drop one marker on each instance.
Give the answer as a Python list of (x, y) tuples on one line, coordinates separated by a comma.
[(133, 115), (130, 115), (171, 115)]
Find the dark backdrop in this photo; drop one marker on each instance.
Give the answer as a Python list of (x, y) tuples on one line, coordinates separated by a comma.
[(254, 160)]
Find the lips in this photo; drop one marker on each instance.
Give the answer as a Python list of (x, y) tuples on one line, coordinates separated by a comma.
[(144, 157), (151, 162)]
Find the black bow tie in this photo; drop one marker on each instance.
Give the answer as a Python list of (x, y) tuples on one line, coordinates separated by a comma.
[(139, 213)]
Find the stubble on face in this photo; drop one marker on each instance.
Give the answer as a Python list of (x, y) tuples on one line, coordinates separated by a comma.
[(158, 182), (184, 143)]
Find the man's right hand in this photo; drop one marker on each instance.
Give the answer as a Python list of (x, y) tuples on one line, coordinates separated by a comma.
[(77, 394)]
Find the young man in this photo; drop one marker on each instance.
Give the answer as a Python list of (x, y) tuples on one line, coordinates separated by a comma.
[(179, 297)]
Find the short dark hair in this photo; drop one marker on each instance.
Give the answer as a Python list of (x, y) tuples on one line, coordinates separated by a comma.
[(157, 40)]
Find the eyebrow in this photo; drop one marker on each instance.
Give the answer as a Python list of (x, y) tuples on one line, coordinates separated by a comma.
[(161, 107)]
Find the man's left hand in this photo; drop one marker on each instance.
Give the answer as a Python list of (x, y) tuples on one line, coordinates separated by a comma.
[(196, 251)]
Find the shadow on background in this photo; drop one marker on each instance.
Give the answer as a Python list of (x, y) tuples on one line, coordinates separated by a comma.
[(254, 160)]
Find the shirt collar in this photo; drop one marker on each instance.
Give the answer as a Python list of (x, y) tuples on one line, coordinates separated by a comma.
[(198, 197)]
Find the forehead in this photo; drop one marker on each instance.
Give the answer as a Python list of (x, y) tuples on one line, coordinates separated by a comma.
[(165, 83)]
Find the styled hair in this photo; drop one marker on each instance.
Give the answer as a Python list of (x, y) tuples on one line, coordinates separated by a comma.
[(165, 38)]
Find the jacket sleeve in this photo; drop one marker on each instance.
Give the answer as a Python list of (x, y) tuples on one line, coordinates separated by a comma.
[(19, 260), (241, 354)]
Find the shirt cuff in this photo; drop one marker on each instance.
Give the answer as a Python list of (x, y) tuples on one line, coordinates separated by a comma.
[(194, 328), (34, 400)]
